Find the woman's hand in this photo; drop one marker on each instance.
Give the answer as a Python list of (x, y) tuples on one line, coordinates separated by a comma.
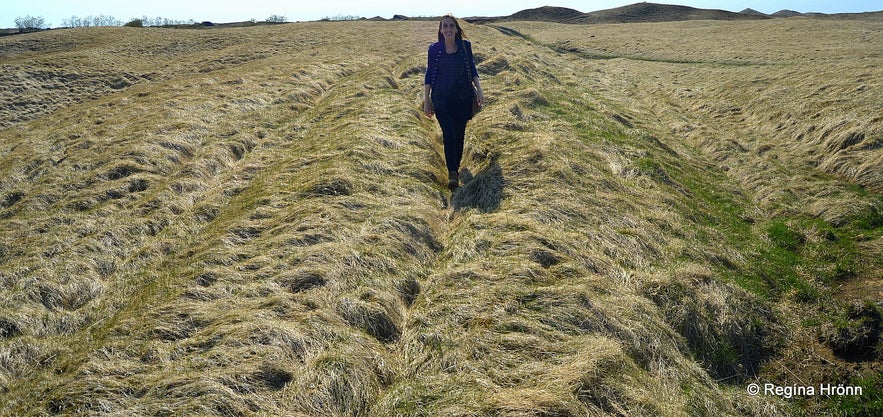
[(479, 95), (428, 110)]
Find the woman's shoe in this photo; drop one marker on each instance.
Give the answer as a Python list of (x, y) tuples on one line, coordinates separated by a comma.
[(453, 180)]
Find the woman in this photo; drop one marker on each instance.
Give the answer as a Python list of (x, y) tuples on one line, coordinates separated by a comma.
[(448, 90)]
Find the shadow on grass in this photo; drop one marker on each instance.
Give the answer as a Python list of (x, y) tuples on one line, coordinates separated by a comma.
[(483, 191)]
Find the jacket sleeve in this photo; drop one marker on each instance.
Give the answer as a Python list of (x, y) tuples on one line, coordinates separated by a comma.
[(430, 66), (471, 59)]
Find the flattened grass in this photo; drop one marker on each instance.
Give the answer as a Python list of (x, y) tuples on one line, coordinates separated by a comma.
[(263, 228)]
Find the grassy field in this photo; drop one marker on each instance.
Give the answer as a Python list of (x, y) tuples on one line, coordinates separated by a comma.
[(253, 221)]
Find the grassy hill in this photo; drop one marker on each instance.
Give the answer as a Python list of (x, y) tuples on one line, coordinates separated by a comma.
[(645, 12), (634, 13), (252, 221), (651, 12)]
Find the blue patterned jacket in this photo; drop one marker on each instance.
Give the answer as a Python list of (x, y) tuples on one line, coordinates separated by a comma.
[(432, 61)]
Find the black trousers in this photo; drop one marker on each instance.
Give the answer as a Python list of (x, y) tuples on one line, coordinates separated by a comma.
[(452, 115)]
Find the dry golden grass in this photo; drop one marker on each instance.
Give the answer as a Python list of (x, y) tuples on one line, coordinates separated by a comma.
[(770, 100), (252, 221)]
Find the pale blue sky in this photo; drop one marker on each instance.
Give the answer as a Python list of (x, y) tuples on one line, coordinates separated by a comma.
[(54, 11)]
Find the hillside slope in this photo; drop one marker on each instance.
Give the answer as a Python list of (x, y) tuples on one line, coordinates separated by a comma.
[(634, 13), (651, 12), (252, 221), (645, 12)]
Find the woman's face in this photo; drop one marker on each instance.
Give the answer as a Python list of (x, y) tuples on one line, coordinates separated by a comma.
[(448, 28)]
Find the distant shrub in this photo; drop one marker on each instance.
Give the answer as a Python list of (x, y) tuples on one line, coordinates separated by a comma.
[(277, 19), (30, 23), (162, 21), (135, 23), (97, 21), (340, 17)]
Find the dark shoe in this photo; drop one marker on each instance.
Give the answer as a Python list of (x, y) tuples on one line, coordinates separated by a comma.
[(453, 180)]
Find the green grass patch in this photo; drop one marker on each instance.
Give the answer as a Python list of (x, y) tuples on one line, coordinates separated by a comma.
[(870, 219), (787, 262), (784, 237), (798, 258), (869, 403)]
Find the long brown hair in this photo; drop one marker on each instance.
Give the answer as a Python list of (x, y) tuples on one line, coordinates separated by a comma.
[(460, 33)]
